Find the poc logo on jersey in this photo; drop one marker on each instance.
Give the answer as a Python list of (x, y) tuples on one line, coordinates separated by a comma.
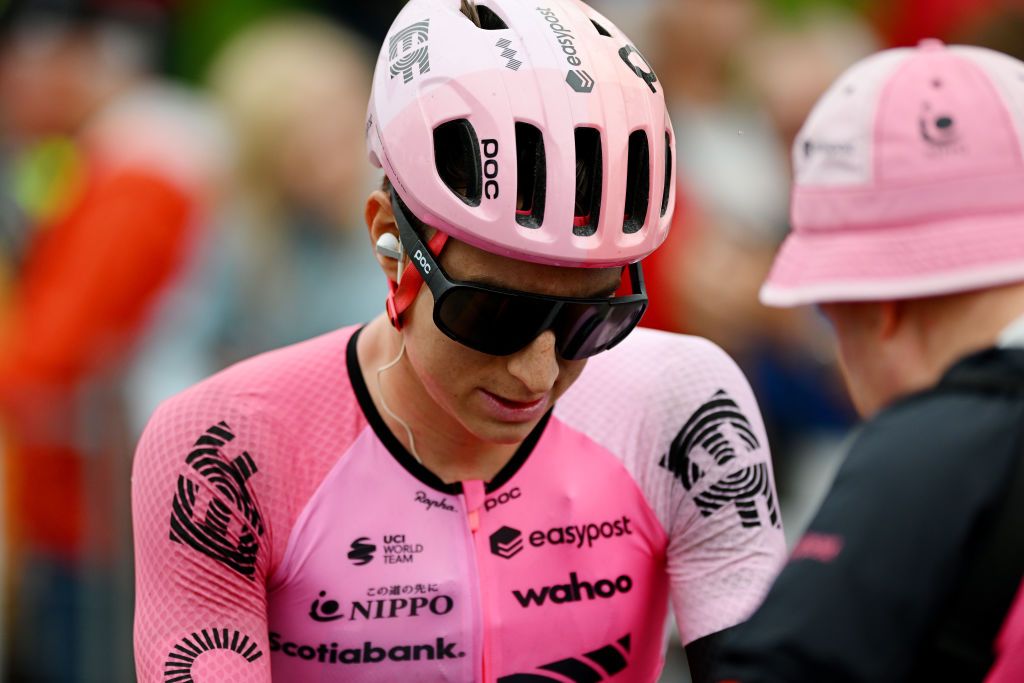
[(574, 591), (502, 498), (369, 610)]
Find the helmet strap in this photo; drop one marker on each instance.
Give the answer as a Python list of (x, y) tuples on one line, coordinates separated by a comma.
[(401, 294)]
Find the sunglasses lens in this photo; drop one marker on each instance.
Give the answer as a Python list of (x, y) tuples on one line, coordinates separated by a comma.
[(586, 330), (490, 322)]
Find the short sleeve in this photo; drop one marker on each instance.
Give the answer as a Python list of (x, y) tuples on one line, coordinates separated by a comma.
[(202, 545)]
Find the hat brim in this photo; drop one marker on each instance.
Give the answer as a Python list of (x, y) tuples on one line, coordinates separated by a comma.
[(897, 262)]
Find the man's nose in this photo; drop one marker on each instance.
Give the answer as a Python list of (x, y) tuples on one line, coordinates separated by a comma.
[(536, 365)]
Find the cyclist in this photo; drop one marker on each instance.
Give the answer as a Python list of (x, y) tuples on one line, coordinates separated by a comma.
[(445, 493), (907, 215)]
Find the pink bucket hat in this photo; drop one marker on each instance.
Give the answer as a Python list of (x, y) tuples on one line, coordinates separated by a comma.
[(909, 181)]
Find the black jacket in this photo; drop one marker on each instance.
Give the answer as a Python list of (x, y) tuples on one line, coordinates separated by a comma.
[(872, 584)]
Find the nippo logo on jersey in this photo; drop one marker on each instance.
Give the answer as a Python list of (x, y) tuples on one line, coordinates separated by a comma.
[(574, 591), (507, 542), (379, 608), (368, 653)]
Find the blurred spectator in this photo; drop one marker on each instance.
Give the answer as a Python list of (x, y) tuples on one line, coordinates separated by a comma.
[(112, 169), (295, 90), (906, 22), (741, 77)]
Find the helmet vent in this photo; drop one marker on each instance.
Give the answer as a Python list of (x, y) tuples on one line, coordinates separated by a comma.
[(489, 21), (589, 163), (638, 182), (457, 158), (669, 167), (601, 29), (531, 163)]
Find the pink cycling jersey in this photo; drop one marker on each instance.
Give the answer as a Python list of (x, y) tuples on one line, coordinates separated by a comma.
[(283, 533)]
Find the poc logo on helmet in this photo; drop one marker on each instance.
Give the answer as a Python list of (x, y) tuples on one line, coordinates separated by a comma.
[(422, 260), (490, 150)]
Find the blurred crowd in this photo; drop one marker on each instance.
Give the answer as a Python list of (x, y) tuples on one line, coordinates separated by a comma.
[(183, 186)]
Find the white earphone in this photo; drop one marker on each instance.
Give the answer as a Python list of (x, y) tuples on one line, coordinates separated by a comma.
[(388, 246)]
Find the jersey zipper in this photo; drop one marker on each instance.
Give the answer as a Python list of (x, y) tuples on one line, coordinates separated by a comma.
[(474, 495)]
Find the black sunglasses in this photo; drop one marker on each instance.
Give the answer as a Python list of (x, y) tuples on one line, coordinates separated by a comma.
[(501, 322)]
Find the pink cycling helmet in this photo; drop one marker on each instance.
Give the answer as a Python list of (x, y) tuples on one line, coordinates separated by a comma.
[(542, 136)]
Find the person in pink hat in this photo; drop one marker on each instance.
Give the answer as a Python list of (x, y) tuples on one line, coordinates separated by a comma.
[(454, 492), (908, 233)]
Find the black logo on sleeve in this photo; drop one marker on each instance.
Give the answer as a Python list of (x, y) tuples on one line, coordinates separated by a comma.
[(362, 551), (178, 668), (507, 542), (229, 528), (721, 432), (599, 665), (409, 51)]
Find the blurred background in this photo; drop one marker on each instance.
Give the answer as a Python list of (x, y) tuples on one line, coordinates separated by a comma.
[(181, 186)]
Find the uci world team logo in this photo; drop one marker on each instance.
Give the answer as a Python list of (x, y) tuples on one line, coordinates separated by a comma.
[(361, 551), (409, 51)]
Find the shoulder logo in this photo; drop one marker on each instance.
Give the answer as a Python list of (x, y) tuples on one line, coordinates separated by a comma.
[(180, 659), (409, 51), (228, 530), (714, 436)]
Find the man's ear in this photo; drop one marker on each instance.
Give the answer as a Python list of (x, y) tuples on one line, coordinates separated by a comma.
[(380, 220)]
